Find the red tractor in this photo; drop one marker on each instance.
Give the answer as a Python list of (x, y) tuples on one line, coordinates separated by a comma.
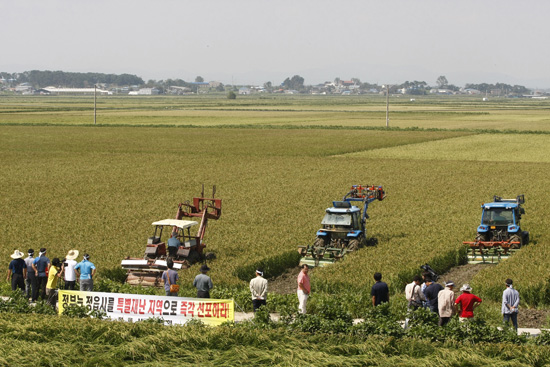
[(147, 270)]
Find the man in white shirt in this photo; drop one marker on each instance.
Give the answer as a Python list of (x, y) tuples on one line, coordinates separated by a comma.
[(413, 294), (67, 269), (258, 288), (446, 303)]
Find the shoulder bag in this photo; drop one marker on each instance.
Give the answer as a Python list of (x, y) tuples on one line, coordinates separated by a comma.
[(174, 288)]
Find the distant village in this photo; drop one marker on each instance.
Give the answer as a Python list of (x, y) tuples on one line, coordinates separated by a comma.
[(33, 83)]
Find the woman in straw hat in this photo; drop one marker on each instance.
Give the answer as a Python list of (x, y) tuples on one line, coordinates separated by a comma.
[(67, 269), (17, 271)]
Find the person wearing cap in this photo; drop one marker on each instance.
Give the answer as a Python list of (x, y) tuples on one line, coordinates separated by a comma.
[(431, 292), (258, 288), (510, 303), (446, 303), (41, 265), (67, 269), (86, 271), (30, 279), (53, 275), (304, 288), (170, 276), (17, 271), (173, 244), (203, 283), (379, 291), (467, 302)]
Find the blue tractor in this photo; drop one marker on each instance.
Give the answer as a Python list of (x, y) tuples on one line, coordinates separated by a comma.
[(343, 229), (500, 233)]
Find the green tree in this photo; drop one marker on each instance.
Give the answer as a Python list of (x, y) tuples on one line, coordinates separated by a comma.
[(231, 95), (296, 82), (442, 81), (199, 79)]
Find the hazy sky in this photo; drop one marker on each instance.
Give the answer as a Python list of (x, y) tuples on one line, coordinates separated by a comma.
[(254, 41)]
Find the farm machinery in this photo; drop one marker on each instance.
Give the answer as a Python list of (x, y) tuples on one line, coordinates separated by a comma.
[(147, 271), (343, 229), (499, 235)]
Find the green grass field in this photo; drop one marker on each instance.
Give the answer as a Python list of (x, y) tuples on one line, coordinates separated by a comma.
[(278, 162)]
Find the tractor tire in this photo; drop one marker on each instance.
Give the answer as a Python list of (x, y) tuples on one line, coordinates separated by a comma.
[(353, 245), (525, 236), (319, 242), (516, 238), (363, 241)]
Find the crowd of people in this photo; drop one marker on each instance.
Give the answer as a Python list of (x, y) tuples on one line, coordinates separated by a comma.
[(37, 277), (443, 301), (34, 275)]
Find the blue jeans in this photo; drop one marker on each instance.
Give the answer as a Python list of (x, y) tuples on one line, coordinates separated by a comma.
[(513, 316)]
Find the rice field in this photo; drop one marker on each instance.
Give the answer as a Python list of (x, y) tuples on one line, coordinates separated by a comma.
[(276, 110), (67, 184)]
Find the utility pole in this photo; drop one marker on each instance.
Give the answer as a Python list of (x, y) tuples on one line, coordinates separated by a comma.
[(387, 105), (95, 100)]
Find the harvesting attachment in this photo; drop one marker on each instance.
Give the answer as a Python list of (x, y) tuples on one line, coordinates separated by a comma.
[(147, 271), (499, 235), (344, 227)]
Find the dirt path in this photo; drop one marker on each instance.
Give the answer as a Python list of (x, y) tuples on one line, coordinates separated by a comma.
[(285, 283), (462, 274)]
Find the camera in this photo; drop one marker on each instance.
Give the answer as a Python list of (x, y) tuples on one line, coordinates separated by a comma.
[(433, 274)]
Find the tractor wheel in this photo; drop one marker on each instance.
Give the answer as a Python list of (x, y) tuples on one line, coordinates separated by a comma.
[(353, 245), (319, 242), (515, 238), (525, 236), (363, 241)]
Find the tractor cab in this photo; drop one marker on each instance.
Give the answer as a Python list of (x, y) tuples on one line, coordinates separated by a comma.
[(500, 220), (341, 221), (156, 252), (157, 244)]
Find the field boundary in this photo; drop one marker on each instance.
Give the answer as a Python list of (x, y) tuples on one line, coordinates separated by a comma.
[(285, 127)]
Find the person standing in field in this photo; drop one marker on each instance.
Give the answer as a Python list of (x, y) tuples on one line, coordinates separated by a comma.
[(17, 271), (173, 244), (67, 269), (379, 291), (86, 271), (258, 288), (304, 288), (30, 279), (467, 303), (51, 287), (41, 265), (413, 294), (431, 292), (510, 303), (170, 277), (446, 303), (203, 283)]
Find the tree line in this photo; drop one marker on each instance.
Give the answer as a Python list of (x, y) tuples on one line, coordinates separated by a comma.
[(41, 79)]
